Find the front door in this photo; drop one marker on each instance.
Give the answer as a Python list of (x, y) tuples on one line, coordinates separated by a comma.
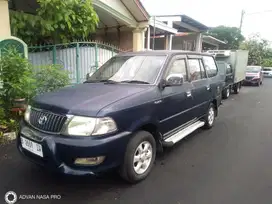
[(201, 86), (176, 100)]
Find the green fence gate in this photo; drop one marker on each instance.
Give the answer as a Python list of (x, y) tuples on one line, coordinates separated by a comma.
[(78, 58)]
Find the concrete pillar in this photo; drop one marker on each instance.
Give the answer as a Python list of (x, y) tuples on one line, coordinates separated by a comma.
[(138, 39), (148, 39), (168, 42), (4, 19), (199, 42)]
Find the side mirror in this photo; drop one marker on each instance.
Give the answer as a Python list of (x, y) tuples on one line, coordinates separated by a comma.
[(89, 75), (174, 80)]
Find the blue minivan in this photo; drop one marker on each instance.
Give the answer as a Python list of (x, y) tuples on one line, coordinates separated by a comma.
[(133, 106)]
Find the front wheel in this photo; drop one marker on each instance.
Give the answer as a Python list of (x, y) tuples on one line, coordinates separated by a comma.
[(139, 157), (210, 117)]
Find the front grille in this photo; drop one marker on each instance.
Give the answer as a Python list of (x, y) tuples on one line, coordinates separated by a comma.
[(47, 121), (249, 77)]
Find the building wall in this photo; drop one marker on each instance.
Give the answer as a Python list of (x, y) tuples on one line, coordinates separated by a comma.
[(178, 43), (4, 19), (124, 41)]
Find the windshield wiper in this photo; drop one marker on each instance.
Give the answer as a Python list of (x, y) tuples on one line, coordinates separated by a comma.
[(135, 81)]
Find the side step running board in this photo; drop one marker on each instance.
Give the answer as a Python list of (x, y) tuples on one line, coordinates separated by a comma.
[(183, 133)]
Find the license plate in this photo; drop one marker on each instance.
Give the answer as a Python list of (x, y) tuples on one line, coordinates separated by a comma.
[(33, 147)]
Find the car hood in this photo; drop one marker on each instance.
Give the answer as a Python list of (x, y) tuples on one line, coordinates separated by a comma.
[(85, 99)]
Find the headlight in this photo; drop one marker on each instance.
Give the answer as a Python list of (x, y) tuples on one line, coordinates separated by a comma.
[(27, 113), (86, 126)]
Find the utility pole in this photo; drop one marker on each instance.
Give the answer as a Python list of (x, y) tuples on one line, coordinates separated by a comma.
[(242, 19)]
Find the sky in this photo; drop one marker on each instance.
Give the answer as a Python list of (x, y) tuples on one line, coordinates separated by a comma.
[(214, 12)]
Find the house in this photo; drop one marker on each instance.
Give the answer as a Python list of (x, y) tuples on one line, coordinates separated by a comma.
[(127, 25)]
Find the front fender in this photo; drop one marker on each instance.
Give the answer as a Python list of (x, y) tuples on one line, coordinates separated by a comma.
[(146, 120)]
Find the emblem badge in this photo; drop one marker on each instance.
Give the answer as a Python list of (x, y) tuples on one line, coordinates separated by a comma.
[(42, 120)]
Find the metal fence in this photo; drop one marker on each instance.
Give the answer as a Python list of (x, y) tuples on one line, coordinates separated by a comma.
[(78, 58)]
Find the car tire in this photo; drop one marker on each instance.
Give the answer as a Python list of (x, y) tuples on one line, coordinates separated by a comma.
[(226, 93), (128, 171), (210, 117)]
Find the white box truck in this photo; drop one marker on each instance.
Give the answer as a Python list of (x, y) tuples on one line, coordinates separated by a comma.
[(232, 68)]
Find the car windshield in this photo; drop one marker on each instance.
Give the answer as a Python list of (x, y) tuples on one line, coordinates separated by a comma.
[(129, 69), (253, 69), (268, 69)]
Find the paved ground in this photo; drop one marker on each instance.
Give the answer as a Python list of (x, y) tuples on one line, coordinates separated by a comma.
[(230, 164)]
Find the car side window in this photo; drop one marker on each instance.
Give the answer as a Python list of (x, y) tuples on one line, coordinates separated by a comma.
[(179, 67), (194, 69), (202, 70), (229, 69), (210, 66)]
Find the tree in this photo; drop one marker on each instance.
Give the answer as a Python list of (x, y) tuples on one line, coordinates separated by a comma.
[(56, 21), (259, 51), (231, 35)]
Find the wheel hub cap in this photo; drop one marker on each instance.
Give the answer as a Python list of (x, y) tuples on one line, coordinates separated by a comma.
[(211, 116), (142, 157)]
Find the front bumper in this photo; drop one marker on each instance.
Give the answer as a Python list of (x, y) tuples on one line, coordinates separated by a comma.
[(60, 152), (250, 81)]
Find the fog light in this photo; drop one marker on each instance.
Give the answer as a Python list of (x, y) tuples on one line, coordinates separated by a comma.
[(90, 160)]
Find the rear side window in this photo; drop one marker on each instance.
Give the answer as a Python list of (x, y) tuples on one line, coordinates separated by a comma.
[(210, 66)]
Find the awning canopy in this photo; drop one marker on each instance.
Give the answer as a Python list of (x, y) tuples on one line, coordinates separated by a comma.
[(212, 40), (183, 23), (161, 28)]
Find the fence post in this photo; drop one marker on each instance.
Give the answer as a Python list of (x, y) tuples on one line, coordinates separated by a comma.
[(96, 56), (77, 64), (54, 54)]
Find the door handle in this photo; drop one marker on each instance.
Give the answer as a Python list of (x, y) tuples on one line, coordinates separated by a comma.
[(208, 87), (188, 94)]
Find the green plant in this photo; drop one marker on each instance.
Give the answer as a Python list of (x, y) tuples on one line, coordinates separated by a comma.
[(50, 78), (259, 51), (17, 79), (55, 21), (231, 35), (27, 27)]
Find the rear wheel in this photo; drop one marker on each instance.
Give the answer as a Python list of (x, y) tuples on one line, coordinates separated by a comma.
[(226, 93), (236, 88), (139, 157)]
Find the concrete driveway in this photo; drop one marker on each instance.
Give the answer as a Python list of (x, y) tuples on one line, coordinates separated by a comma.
[(229, 164)]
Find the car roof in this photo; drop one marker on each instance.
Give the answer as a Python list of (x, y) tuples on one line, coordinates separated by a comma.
[(162, 52)]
